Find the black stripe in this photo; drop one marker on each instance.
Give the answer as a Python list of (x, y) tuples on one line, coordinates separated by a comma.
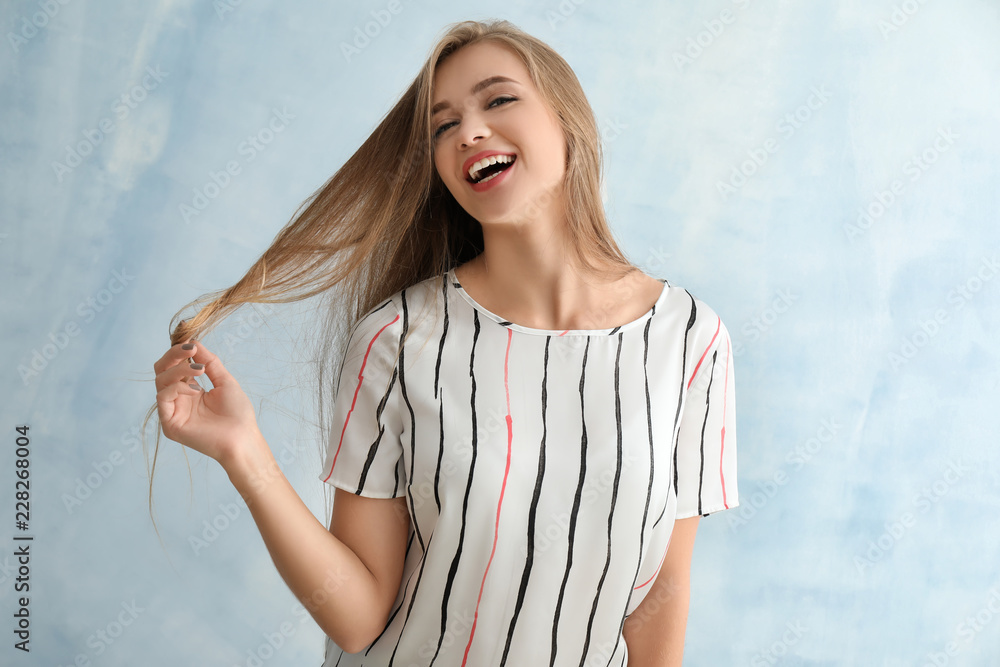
[(531, 512), (437, 469), (444, 336), (576, 504), (468, 487), (614, 499), (413, 597), (413, 423), (649, 486), (444, 333), (680, 395), (708, 395), (373, 449), (662, 512)]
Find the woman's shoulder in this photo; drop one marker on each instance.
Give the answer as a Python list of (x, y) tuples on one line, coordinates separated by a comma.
[(405, 298), (699, 319)]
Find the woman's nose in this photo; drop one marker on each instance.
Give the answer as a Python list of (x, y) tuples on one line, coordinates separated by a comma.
[(472, 130)]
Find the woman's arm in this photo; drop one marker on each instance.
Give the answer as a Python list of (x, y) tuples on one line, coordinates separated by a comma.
[(349, 598), (654, 632), (347, 577)]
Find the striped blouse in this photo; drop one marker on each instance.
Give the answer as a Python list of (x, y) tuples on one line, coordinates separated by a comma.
[(543, 470)]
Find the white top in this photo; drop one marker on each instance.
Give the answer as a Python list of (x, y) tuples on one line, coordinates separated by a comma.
[(543, 470)]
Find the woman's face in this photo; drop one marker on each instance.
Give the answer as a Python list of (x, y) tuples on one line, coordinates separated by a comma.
[(484, 103)]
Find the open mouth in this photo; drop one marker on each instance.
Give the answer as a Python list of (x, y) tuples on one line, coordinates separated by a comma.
[(489, 167)]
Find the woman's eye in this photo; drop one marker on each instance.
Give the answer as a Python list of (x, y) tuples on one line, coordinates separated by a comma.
[(441, 129), (502, 100), (494, 103)]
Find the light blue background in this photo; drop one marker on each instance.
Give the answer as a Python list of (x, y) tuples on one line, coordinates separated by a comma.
[(854, 545)]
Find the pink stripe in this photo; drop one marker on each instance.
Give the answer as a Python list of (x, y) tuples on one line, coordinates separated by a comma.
[(722, 449), (357, 390), (695, 372), (496, 528), (662, 558)]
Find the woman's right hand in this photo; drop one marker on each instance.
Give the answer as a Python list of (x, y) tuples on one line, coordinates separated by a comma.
[(215, 422)]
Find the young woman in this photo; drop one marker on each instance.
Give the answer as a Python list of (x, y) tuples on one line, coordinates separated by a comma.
[(526, 427)]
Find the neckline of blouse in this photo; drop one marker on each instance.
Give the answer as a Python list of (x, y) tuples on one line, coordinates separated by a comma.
[(556, 332)]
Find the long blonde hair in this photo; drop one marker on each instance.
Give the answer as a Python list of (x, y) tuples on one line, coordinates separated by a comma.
[(385, 220)]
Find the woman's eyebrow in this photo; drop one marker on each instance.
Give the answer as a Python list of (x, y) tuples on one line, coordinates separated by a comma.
[(482, 85)]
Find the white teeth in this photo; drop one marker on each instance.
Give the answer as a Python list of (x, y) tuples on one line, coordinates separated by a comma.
[(487, 161), (493, 175)]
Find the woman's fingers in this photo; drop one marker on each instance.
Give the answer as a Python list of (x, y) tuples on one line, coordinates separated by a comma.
[(168, 406), (175, 354), (212, 366), (174, 366)]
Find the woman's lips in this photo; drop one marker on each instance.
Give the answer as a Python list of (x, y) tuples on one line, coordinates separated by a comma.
[(495, 180)]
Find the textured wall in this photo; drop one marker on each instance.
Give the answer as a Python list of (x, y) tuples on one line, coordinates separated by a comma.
[(824, 175)]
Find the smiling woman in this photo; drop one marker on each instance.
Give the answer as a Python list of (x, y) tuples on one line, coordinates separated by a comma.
[(499, 130), (471, 220)]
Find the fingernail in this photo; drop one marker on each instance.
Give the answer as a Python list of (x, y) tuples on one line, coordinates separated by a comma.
[(196, 387), (187, 346), (197, 367)]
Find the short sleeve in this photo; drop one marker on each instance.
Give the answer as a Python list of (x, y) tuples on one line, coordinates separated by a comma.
[(364, 451), (705, 457)]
